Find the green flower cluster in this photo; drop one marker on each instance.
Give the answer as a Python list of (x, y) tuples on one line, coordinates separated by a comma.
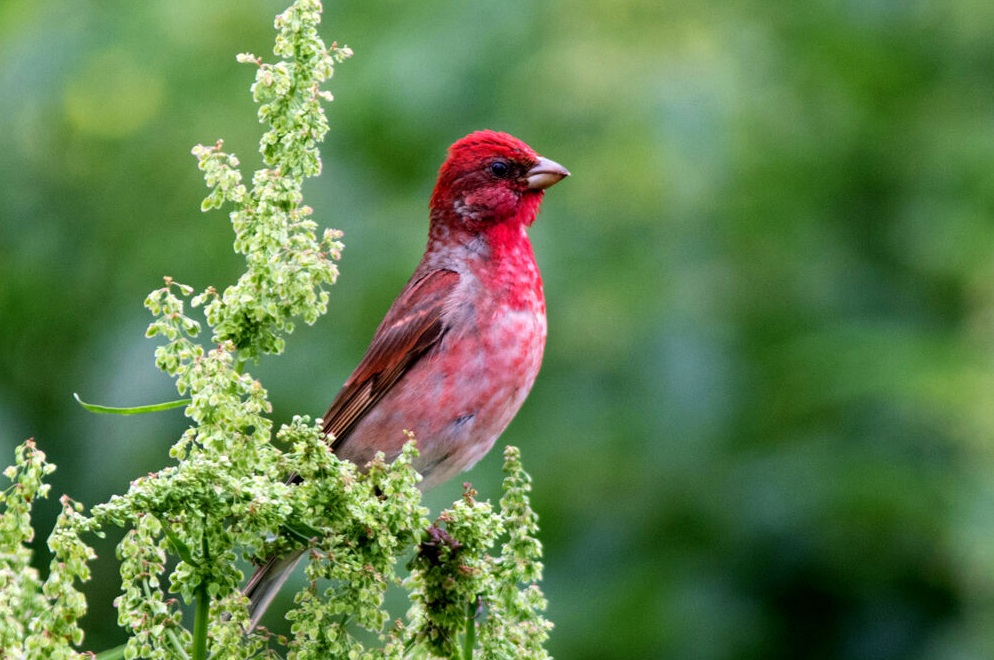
[(38, 619)]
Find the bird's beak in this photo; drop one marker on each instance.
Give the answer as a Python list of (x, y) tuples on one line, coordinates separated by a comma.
[(546, 173)]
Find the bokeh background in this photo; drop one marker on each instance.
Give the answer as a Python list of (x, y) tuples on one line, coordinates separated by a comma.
[(765, 423)]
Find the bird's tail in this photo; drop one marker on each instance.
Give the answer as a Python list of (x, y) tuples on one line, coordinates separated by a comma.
[(265, 583)]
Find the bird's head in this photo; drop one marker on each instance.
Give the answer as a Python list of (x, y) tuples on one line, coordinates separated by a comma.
[(491, 178)]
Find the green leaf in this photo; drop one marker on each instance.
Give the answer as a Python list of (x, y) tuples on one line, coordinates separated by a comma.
[(136, 410)]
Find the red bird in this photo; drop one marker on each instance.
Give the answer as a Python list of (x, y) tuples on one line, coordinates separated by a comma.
[(460, 347)]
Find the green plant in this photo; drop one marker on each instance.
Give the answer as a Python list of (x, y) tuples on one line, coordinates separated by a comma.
[(225, 498)]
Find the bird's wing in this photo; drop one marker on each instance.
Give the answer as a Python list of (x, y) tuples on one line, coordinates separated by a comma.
[(412, 327)]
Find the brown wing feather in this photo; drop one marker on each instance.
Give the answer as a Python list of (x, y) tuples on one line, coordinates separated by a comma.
[(411, 328)]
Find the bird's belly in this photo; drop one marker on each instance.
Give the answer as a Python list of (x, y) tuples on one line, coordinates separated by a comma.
[(457, 400)]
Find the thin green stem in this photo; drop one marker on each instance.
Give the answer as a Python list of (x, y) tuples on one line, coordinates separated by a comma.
[(200, 623), (469, 641), (112, 654), (177, 643), (201, 616), (170, 633)]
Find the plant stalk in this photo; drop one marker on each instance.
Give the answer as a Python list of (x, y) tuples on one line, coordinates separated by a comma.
[(469, 641), (202, 614)]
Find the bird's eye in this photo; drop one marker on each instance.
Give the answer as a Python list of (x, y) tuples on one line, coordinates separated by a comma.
[(500, 169)]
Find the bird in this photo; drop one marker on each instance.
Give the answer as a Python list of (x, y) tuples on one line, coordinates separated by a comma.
[(459, 349)]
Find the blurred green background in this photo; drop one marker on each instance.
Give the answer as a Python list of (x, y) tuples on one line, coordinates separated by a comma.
[(765, 423)]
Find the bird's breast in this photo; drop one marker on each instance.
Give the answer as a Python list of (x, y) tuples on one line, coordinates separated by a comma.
[(461, 396)]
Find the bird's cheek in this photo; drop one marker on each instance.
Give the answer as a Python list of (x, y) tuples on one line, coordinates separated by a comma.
[(496, 201)]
